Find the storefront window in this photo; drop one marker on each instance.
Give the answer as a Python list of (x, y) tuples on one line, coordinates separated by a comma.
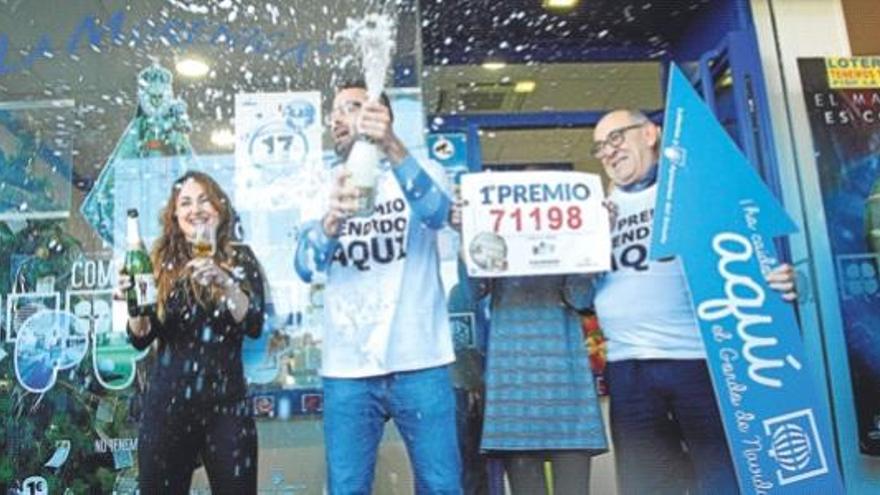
[(105, 105)]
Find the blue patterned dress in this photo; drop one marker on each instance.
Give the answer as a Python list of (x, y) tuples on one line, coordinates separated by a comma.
[(539, 388)]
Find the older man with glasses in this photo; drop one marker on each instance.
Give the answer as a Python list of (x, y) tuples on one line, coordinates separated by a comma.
[(665, 424)]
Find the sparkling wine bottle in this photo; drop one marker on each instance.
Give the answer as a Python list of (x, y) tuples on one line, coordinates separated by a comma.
[(141, 297), (363, 163)]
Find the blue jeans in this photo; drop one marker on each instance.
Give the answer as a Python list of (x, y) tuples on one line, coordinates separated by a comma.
[(658, 405), (422, 405)]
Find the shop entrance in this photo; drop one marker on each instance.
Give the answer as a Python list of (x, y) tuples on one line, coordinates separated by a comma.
[(510, 120)]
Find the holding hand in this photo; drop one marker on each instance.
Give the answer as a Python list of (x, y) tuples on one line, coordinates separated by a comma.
[(455, 210), (343, 202), (613, 210), (374, 123), (206, 272), (139, 325), (123, 283), (782, 280)]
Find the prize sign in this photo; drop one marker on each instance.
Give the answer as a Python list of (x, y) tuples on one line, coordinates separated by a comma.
[(534, 223)]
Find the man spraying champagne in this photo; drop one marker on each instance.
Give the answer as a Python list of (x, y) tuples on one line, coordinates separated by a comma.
[(387, 343), (373, 37)]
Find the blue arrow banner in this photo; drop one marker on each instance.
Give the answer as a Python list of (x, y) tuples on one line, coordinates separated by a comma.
[(715, 213)]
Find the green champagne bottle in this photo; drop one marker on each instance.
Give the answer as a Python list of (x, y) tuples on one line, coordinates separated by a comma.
[(141, 297)]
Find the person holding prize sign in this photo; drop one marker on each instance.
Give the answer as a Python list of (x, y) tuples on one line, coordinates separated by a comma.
[(661, 393), (530, 240)]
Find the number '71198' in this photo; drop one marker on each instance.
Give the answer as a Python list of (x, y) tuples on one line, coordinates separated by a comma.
[(537, 219)]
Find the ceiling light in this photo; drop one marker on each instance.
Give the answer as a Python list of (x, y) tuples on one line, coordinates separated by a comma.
[(560, 4), (223, 138), (192, 67), (494, 65), (524, 87)]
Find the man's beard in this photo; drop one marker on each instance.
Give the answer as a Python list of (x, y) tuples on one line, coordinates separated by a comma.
[(343, 149)]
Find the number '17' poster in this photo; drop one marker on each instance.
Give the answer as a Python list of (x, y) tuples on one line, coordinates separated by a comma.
[(277, 148)]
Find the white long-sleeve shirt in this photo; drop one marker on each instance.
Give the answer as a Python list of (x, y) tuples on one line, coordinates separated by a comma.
[(385, 308), (644, 307)]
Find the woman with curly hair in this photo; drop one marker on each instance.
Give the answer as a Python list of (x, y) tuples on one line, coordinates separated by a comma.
[(194, 405)]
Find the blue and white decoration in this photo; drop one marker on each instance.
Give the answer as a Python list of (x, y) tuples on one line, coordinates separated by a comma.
[(278, 148), (716, 214)]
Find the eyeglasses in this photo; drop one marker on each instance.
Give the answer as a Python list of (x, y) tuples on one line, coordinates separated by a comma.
[(344, 109), (614, 139), (347, 108)]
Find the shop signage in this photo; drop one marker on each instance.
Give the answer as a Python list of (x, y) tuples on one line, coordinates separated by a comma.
[(92, 31), (842, 97)]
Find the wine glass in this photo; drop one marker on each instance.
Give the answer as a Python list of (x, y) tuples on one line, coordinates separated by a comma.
[(204, 240)]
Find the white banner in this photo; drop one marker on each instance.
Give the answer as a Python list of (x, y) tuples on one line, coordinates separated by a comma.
[(277, 148), (534, 223)]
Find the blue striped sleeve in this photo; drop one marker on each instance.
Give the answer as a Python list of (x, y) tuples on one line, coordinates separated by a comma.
[(429, 203), (314, 250)]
